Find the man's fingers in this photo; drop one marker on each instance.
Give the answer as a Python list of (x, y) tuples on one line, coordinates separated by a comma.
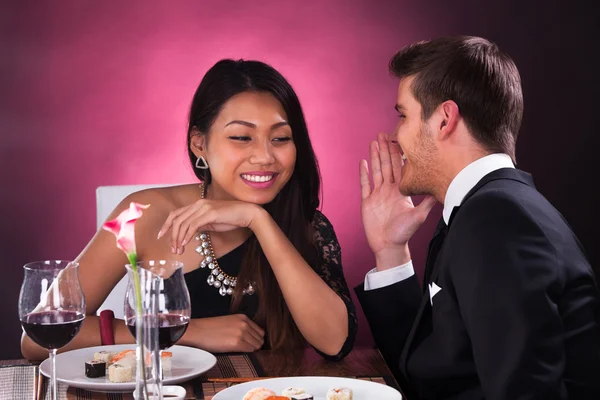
[(385, 158), (365, 185), (425, 206), (397, 163), (375, 165)]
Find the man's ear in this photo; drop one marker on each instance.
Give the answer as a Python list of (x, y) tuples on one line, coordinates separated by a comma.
[(449, 116)]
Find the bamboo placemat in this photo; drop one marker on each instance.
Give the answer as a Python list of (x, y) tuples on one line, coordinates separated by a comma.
[(19, 380)]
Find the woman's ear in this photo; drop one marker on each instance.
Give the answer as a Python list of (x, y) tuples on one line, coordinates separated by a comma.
[(197, 142)]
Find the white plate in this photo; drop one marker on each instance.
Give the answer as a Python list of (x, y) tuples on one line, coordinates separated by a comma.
[(187, 363), (315, 385)]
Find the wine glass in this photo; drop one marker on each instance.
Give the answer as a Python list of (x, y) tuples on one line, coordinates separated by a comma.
[(51, 306), (173, 306)]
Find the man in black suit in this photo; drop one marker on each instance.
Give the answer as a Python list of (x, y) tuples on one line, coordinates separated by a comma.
[(509, 307)]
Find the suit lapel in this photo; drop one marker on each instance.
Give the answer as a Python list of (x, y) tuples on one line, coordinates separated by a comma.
[(432, 252)]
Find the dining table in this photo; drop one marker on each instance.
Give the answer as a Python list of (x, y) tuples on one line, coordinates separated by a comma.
[(21, 379)]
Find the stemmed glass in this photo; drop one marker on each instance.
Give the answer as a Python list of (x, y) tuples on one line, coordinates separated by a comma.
[(173, 303), (51, 306)]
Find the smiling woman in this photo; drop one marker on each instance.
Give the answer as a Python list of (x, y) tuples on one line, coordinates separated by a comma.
[(250, 146), (249, 234)]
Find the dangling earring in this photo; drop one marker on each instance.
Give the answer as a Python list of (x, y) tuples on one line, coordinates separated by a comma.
[(201, 163)]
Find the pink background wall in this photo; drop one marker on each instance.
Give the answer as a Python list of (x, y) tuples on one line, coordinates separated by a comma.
[(96, 93)]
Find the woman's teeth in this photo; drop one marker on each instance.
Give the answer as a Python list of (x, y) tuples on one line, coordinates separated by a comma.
[(257, 178), (403, 157)]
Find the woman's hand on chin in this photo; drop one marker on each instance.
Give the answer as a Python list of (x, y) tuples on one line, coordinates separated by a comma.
[(207, 215)]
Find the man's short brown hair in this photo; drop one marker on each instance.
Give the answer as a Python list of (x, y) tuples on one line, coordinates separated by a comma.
[(482, 80)]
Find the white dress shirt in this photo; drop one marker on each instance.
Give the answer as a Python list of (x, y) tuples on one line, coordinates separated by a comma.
[(462, 183)]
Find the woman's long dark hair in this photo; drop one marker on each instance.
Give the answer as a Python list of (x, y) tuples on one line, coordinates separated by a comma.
[(294, 206)]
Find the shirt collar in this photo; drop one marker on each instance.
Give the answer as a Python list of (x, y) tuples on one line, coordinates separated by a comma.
[(468, 178)]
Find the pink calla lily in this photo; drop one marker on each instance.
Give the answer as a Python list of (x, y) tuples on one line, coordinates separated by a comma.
[(123, 227)]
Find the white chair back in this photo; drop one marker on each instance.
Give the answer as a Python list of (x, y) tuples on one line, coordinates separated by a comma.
[(107, 198)]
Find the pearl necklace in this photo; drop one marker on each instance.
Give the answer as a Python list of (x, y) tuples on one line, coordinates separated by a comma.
[(217, 277)]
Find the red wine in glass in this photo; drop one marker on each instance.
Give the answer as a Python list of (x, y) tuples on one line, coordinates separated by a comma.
[(165, 301), (51, 307), (171, 328), (52, 329)]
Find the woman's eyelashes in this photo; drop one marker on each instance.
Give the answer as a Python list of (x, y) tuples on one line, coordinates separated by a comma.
[(240, 138), (281, 139)]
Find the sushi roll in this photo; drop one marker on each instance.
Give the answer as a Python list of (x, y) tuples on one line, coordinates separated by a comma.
[(126, 359), (118, 373), (339, 394), (288, 392), (303, 396), (119, 356), (165, 359), (95, 369), (122, 368), (104, 356), (258, 394)]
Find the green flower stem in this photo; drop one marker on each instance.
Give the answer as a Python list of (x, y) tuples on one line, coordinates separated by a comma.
[(138, 317)]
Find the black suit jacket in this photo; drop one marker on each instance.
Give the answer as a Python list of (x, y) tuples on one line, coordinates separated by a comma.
[(517, 316)]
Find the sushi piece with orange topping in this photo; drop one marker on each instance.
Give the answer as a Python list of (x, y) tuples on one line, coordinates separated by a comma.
[(259, 394)]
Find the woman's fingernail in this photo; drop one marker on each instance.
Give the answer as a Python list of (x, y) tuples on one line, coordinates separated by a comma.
[(173, 249), (184, 242), (160, 233)]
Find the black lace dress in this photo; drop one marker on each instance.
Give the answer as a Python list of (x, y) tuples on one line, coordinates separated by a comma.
[(207, 302)]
